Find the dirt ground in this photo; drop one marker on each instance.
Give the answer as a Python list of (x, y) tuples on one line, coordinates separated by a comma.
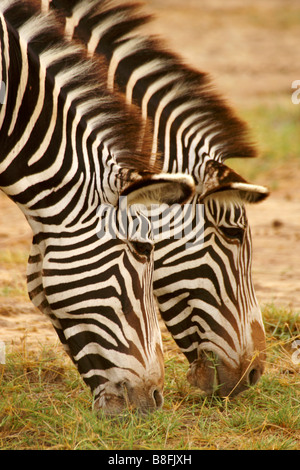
[(251, 48)]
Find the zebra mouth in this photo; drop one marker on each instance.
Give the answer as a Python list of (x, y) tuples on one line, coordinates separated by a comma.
[(127, 397), (213, 376), (203, 372), (148, 399)]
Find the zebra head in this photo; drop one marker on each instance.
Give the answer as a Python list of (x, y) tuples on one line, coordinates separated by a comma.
[(65, 152), (205, 293), (209, 304), (95, 284)]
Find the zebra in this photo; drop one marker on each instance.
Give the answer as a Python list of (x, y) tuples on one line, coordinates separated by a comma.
[(205, 295), (68, 147)]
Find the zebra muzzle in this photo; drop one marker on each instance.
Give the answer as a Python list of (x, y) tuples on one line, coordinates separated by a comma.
[(213, 376), (203, 372), (145, 400), (127, 397)]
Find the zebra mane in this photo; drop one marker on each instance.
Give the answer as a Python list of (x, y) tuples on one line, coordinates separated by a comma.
[(111, 121), (121, 23)]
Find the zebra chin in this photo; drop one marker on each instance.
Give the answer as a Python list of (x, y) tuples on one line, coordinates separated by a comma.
[(214, 377), (123, 397)]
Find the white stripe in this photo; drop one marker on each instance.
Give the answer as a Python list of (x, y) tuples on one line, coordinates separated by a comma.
[(114, 356), (79, 12), (168, 98), (21, 87), (156, 86), (100, 30), (45, 6), (168, 136), (86, 328), (194, 117), (34, 26), (7, 62), (124, 50), (142, 72), (23, 183)]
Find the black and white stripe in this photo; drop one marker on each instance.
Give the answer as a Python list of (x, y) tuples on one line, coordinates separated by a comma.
[(205, 296), (67, 147)]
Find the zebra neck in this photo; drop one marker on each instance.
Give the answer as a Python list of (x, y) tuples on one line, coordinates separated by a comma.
[(62, 136), (190, 121)]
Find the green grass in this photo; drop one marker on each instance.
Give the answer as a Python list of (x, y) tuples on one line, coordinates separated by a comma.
[(45, 405), (14, 287), (13, 264), (10, 257), (275, 130)]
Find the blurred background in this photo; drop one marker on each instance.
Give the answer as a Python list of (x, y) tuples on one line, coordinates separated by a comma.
[(251, 49)]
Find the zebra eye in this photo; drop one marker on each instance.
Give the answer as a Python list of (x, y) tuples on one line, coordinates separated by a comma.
[(233, 233), (143, 249)]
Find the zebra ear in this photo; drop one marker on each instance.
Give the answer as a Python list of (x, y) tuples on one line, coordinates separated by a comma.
[(220, 180), (162, 188)]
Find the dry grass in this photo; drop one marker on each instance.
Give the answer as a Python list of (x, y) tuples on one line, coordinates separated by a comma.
[(45, 405), (43, 402)]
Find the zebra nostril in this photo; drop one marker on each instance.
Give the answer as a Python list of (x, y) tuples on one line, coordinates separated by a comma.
[(253, 376), (158, 398)]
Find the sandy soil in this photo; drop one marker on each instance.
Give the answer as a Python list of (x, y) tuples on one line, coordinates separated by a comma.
[(250, 47), (235, 41)]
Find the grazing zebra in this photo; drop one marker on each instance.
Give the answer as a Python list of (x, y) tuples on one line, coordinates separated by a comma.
[(205, 294), (67, 148)]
